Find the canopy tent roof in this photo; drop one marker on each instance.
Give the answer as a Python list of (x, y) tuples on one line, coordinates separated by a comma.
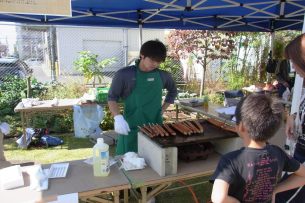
[(231, 15)]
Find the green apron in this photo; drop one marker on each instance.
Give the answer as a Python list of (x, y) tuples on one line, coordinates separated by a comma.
[(142, 106)]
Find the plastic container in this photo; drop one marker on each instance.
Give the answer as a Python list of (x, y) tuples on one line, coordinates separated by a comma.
[(205, 102), (102, 94), (101, 158)]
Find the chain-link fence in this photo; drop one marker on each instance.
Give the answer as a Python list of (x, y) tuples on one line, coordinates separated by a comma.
[(48, 53)]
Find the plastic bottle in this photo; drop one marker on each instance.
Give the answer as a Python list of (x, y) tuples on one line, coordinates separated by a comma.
[(101, 158), (205, 103)]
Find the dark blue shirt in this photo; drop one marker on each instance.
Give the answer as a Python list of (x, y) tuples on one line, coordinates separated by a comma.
[(124, 82)]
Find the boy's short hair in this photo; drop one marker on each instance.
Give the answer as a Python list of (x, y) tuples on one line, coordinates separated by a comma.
[(154, 49), (261, 115)]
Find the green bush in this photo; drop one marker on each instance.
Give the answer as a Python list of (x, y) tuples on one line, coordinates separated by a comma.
[(38, 88), (58, 123), (61, 123), (193, 86), (236, 81), (63, 91), (88, 64), (172, 66), (40, 121), (108, 121), (12, 90), (216, 98)]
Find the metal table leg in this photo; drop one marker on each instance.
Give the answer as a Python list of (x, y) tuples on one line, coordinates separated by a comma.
[(177, 112), (23, 125)]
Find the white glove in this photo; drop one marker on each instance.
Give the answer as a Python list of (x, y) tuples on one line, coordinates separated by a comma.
[(120, 125)]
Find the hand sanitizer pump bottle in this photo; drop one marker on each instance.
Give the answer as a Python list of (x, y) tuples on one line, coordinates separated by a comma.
[(101, 158)]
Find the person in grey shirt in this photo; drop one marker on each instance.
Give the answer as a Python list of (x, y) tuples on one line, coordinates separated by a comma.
[(140, 88), (124, 82)]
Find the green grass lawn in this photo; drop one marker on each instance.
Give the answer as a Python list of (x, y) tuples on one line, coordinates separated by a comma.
[(81, 148), (72, 149), (202, 192)]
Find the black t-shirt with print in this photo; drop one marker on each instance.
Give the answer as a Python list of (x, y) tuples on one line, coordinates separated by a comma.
[(301, 138), (253, 173)]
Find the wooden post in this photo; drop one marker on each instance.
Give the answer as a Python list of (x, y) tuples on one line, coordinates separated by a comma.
[(2, 158), (29, 89)]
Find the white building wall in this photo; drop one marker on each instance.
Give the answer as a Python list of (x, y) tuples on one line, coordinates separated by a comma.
[(106, 42), (72, 40), (148, 34)]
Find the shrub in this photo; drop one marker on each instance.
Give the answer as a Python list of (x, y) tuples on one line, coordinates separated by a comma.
[(172, 66), (88, 64), (62, 91), (11, 92), (108, 121), (216, 98)]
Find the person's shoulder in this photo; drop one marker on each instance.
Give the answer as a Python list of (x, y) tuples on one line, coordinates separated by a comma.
[(127, 69), (275, 148), (163, 71), (165, 74), (233, 154)]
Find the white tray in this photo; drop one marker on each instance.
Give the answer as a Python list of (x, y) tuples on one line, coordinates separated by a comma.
[(58, 170)]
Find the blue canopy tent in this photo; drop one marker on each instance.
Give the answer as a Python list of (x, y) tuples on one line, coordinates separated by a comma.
[(229, 15)]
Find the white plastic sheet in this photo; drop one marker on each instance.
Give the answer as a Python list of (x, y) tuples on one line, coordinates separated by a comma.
[(87, 119), (5, 128)]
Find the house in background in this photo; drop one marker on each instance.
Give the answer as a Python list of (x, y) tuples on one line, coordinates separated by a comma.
[(121, 43)]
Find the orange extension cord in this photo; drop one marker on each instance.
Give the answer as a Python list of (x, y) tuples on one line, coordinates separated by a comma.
[(191, 191)]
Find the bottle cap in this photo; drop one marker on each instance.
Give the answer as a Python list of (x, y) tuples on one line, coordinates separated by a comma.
[(100, 140)]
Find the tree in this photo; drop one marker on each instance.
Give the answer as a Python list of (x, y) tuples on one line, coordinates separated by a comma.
[(172, 66), (203, 45), (88, 64)]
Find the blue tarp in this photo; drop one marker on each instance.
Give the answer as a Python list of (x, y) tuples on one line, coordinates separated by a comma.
[(231, 15)]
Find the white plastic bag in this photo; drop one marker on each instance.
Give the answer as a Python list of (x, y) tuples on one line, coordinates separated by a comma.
[(87, 119), (38, 178), (131, 161), (29, 132), (5, 128)]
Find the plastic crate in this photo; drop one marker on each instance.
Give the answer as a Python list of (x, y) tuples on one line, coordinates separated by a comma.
[(102, 94)]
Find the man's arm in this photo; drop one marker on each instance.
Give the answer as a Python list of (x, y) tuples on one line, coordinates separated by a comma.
[(114, 108), (170, 85), (297, 179), (164, 107), (220, 192)]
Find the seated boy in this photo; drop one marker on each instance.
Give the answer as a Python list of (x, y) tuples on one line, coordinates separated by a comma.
[(252, 173)]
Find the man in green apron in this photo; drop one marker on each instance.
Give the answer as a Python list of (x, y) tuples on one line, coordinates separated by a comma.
[(140, 87)]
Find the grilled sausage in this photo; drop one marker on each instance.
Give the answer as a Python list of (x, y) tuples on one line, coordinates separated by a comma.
[(156, 127), (163, 130), (198, 125), (222, 125), (168, 128), (195, 129), (177, 127), (187, 129), (150, 130), (145, 132)]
